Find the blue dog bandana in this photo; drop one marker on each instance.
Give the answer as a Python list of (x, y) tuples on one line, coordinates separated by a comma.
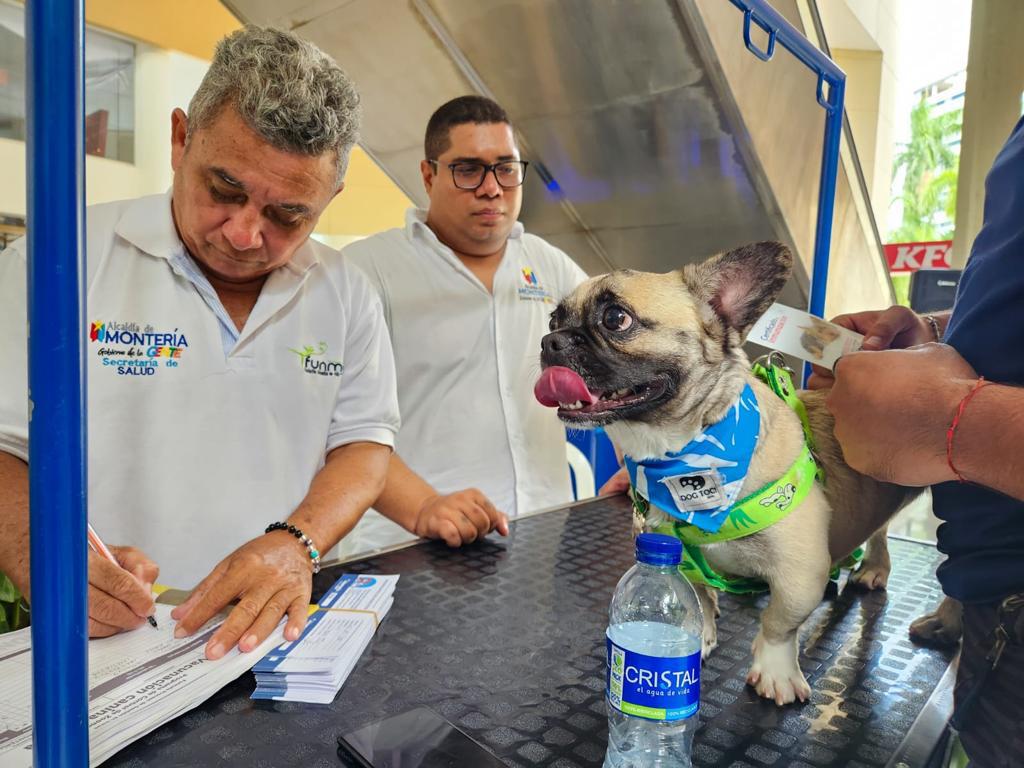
[(699, 483)]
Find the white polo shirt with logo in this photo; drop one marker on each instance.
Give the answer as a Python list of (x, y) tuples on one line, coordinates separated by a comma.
[(467, 361), (200, 437)]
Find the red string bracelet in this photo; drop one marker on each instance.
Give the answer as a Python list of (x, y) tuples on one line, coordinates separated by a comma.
[(956, 423)]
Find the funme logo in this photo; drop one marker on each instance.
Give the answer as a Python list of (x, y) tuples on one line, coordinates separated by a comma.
[(311, 364)]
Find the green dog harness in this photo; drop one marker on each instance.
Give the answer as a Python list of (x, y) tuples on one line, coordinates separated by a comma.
[(761, 509)]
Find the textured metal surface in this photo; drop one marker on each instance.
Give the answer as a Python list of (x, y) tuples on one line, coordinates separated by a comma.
[(659, 138), (635, 157), (927, 742), (506, 640), (784, 131), (631, 136)]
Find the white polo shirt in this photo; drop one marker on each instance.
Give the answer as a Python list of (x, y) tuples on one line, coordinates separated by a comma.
[(467, 361), (195, 444)]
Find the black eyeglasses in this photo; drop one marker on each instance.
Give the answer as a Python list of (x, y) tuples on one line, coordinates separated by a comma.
[(508, 173)]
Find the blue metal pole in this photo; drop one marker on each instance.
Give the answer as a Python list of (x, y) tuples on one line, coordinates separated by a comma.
[(776, 25), (827, 194), (831, 96), (833, 104), (57, 436)]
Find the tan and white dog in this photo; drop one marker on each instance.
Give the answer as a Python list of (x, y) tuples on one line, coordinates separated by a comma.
[(657, 358)]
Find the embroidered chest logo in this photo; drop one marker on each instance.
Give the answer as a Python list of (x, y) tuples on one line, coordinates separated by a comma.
[(314, 360), (133, 349), (532, 289)]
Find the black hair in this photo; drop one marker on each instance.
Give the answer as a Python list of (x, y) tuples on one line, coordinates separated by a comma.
[(459, 111)]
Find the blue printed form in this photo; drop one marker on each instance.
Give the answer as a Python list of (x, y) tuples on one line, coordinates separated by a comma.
[(314, 667)]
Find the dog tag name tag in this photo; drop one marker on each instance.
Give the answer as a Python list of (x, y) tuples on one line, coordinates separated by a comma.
[(697, 492), (794, 332)]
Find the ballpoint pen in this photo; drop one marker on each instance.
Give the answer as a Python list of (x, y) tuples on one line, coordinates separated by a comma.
[(101, 549)]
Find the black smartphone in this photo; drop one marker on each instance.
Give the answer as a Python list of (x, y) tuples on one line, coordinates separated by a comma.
[(419, 738)]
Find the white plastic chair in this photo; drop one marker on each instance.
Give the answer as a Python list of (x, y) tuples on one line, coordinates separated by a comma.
[(582, 472)]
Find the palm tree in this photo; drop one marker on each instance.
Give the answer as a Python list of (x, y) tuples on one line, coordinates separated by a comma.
[(929, 183)]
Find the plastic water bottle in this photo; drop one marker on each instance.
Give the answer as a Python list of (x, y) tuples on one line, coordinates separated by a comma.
[(654, 642)]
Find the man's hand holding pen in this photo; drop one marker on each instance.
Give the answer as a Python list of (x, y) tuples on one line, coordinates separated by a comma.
[(120, 595)]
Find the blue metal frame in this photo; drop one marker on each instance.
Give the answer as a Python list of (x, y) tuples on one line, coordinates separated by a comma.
[(57, 436), (830, 94)]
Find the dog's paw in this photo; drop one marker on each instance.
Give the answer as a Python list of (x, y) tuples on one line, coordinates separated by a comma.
[(775, 673), (781, 688), (871, 576), (710, 639), (943, 626)]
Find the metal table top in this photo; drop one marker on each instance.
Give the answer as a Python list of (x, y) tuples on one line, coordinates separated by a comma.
[(505, 639)]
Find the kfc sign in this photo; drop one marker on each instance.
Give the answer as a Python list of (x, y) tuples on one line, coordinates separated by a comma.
[(910, 257)]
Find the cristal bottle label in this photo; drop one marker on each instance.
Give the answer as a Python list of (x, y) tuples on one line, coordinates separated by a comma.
[(653, 687)]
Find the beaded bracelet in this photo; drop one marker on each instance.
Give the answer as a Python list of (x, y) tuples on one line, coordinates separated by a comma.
[(314, 554), (930, 319)]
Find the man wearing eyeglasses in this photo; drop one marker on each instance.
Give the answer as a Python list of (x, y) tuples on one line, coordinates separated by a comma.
[(467, 295)]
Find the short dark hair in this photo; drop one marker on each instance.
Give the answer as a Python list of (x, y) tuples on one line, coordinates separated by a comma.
[(464, 109)]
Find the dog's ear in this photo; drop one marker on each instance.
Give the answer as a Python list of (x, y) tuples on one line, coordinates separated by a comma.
[(741, 284)]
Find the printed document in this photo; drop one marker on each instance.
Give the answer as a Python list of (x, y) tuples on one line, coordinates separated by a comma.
[(138, 681), (795, 332)]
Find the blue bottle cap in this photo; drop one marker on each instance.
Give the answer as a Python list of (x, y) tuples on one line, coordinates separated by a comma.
[(658, 549)]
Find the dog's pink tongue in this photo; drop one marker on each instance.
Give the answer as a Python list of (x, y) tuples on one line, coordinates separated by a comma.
[(562, 385)]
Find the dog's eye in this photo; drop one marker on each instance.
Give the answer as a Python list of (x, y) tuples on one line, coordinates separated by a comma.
[(616, 319)]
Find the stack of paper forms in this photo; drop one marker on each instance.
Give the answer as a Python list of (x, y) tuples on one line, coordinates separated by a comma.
[(314, 667)]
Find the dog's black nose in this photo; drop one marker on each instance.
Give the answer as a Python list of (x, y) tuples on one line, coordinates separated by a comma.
[(558, 342)]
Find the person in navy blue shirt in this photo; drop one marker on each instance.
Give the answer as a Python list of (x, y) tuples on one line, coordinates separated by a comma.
[(894, 405)]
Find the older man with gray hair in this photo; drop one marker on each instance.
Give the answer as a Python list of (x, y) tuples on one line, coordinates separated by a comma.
[(242, 405)]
